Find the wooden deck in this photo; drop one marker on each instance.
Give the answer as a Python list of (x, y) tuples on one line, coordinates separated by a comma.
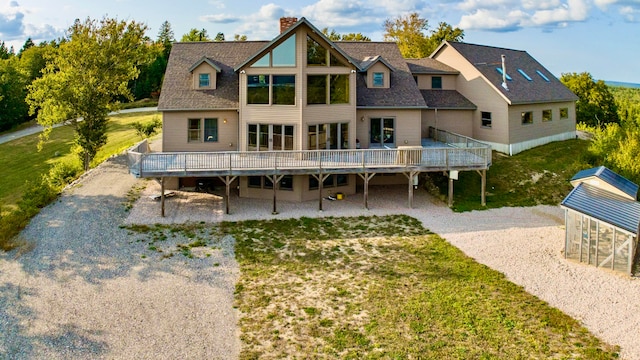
[(463, 155), (442, 152)]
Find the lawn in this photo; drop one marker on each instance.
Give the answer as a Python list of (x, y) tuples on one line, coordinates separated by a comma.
[(539, 176), (21, 160), (385, 287)]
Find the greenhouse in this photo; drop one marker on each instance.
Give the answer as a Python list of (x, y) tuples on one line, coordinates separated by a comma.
[(602, 218)]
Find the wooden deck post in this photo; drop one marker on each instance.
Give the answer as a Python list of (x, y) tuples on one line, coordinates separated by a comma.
[(275, 179), (162, 196), (366, 177), (227, 182), (450, 202), (483, 186), (411, 175)]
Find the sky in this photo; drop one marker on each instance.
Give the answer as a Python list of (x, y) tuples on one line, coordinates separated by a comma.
[(601, 37)]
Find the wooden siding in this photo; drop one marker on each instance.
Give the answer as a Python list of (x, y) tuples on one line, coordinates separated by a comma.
[(539, 129), (455, 121), (175, 131), (204, 68), (473, 86), (407, 123), (448, 82)]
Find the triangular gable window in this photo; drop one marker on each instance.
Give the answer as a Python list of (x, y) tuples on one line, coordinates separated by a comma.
[(264, 61), (316, 54), (285, 53), (334, 61)]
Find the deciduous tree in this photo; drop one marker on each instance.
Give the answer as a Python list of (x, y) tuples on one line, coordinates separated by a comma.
[(409, 33), (333, 35), (195, 35), (84, 78), (596, 105)]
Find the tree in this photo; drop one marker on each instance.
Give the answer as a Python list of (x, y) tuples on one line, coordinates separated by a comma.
[(238, 37), (13, 81), (409, 33), (84, 78), (165, 38), (148, 129), (195, 35), (4, 52), (219, 37), (333, 35), (27, 45), (596, 105)]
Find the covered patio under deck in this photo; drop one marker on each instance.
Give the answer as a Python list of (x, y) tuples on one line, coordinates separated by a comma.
[(451, 153)]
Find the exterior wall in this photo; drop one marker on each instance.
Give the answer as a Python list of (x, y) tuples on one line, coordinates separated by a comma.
[(175, 131), (407, 122), (540, 129), (473, 86), (448, 82), (300, 190), (456, 121), (378, 68), (204, 68)]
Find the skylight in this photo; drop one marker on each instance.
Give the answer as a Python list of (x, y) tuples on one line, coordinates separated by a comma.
[(524, 74), (500, 71), (542, 76)]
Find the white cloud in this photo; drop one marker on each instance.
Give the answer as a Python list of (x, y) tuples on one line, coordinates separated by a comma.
[(341, 13), (493, 20), (574, 10), (630, 14), (265, 24), (11, 21), (482, 5), (220, 18)]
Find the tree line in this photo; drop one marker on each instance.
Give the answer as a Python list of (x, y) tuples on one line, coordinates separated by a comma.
[(612, 116)]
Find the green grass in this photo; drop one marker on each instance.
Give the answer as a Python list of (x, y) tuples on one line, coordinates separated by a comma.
[(533, 177), (21, 161), (386, 288)]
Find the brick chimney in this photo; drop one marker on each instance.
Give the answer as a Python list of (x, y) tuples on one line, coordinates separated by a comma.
[(286, 22)]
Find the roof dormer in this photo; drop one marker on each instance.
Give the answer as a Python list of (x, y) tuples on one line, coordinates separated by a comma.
[(204, 73), (378, 72)]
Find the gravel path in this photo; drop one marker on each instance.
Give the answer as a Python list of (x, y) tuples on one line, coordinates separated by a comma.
[(85, 291)]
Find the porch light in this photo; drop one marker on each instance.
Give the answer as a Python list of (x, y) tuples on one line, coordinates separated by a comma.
[(225, 120)]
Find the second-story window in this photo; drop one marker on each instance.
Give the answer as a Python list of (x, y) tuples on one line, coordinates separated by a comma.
[(258, 89), (327, 89), (204, 80), (436, 82), (271, 89), (378, 79), (486, 119)]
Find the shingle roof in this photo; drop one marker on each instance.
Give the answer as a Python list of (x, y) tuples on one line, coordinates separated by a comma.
[(177, 91), (447, 99), (605, 174), (521, 91), (403, 91), (605, 206), (430, 66)]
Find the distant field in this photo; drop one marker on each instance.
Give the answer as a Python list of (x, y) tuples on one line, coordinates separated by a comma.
[(622, 84), (21, 161)]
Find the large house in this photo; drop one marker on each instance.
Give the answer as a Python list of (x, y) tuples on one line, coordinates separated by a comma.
[(342, 104)]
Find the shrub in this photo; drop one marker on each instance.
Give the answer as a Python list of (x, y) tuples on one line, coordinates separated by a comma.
[(64, 172), (148, 129)]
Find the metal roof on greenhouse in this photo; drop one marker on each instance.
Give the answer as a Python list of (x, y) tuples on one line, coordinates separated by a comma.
[(604, 205)]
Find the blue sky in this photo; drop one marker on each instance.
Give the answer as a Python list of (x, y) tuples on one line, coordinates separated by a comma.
[(598, 36)]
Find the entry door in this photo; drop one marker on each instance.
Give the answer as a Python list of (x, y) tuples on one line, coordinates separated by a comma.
[(383, 132)]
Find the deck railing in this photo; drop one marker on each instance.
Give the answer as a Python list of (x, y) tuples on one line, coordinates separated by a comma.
[(456, 156)]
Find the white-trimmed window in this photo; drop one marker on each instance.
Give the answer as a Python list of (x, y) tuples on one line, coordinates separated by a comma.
[(547, 115), (194, 130), (211, 130), (486, 119), (378, 79), (564, 113), (204, 80)]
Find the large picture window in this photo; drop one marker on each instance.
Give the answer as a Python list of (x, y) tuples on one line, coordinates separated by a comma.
[(316, 54), (327, 89), (258, 89), (271, 89)]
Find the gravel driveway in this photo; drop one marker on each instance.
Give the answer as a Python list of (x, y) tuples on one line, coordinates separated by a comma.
[(85, 291)]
